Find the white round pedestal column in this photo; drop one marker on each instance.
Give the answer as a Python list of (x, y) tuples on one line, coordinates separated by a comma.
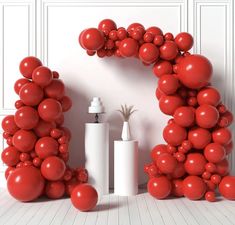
[(125, 168)]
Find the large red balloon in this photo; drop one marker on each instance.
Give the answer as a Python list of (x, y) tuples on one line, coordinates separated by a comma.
[(207, 116), (28, 65), (162, 67), (50, 109), (44, 128), (168, 84), (159, 187), (26, 117), (84, 197), (227, 187), (31, 94), (128, 47), (169, 103), (42, 76), (166, 163), (194, 187), (10, 156), (19, 83), (55, 89), (55, 189), (184, 116), (168, 50), (25, 184), (174, 134), (9, 124), (194, 71), (214, 152), (195, 164), (208, 95), (148, 53), (46, 146), (24, 140), (53, 168), (199, 137), (157, 151), (222, 136), (184, 41)]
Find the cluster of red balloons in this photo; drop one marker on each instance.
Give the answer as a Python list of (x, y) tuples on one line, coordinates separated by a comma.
[(38, 142), (193, 162)]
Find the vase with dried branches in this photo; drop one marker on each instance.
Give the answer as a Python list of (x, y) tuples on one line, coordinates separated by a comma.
[(126, 112)]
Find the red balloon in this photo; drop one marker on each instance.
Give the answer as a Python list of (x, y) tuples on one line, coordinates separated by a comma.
[(128, 47), (208, 95), (55, 89), (159, 93), (55, 189), (24, 157), (210, 196), (215, 178), (184, 116), (159, 187), (148, 37), (195, 164), (25, 184), (56, 133), (107, 25), (10, 156), (168, 36), (222, 136), (18, 104), (135, 26), (66, 103), (37, 162), (161, 68), (49, 109), (84, 197), (227, 187), (174, 134), (194, 71), (199, 137), (92, 39), (53, 168), (168, 84), (31, 94), (184, 41), (177, 188), (26, 117), (214, 152), (46, 146), (207, 116), (19, 84), (148, 53), (222, 167), (210, 167), (154, 31), (229, 148), (44, 128), (229, 116), (24, 140), (169, 103), (28, 65), (168, 50), (157, 151), (179, 171), (42, 76), (158, 40), (166, 163), (194, 187), (9, 125)]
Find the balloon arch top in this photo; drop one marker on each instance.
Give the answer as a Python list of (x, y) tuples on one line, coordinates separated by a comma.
[(193, 162)]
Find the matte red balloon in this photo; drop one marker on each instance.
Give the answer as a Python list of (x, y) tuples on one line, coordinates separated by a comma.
[(222, 167), (55, 189), (199, 137), (44, 128), (53, 168), (159, 187), (184, 41), (208, 95), (195, 164), (184, 116), (168, 84), (177, 188), (194, 187), (46, 146), (194, 71), (31, 94), (42, 76), (168, 50), (174, 134), (24, 140), (49, 109), (227, 187), (169, 103), (179, 171), (25, 184), (214, 152), (157, 151), (19, 84), (161, 68), (128, 47), (66, 103), (10, 156), (28, 65), (26, 117), (148, 53), (222, 136), (166, 163), (207, 116), (9, 124), (55, 89), (107, 25)]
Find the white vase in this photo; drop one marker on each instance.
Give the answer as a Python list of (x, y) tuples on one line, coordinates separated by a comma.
[(126, 134)]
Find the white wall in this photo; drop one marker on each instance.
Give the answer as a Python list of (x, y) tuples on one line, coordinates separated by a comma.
[(49, 29)]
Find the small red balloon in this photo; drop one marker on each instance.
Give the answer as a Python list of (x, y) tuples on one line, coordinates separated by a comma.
[(208, 95), (222, 136), (184, 41), (10, 156), (168, 84), (148, 53), (195, 164), (55, 189), (168, 50), (166, 163), (128, 47), (179, 171), (42, 76), (55, 89), (9, 124), (107, 25), (19, 84), (214, 152), (161, 68), (157, 151), (66, 103), (222, 167), (227, 187), (169, 103), (210, 196), (177, 188), (44, 128), (199, 137), (154, 31), (184, 116)]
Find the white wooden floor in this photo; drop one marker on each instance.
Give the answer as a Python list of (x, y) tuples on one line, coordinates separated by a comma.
[(113, 210)]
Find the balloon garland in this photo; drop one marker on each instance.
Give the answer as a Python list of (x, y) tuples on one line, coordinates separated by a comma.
[(194, 162)]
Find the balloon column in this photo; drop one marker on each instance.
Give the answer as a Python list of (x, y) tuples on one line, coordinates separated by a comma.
[(38, 143), (193, 162)]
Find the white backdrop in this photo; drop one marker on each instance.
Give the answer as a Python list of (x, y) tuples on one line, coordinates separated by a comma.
[(49, 29)]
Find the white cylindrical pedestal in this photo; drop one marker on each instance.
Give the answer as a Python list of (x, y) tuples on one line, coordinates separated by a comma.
[(125, 168), (97, 156)]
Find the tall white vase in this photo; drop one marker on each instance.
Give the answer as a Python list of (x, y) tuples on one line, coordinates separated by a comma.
[(97, 156), (126, 134), (125, 168)]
